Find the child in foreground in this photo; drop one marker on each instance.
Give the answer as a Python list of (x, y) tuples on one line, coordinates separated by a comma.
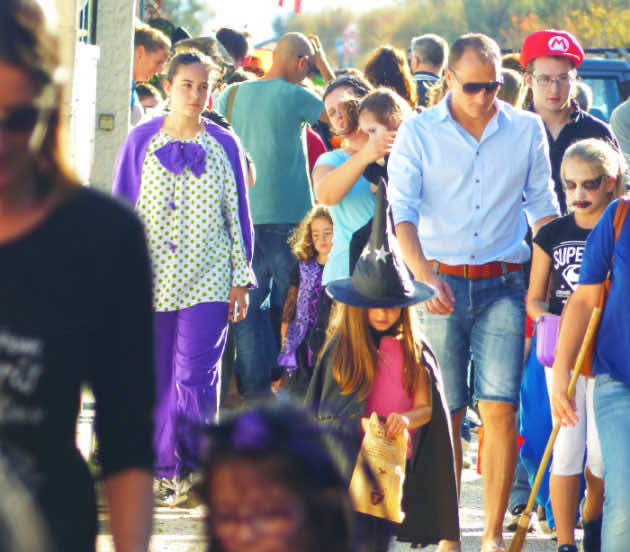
[(592, 174), (310, 242), (270, 485), (376, 361)]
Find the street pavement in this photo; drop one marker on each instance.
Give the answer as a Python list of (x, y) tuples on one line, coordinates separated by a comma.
[(181, 530)]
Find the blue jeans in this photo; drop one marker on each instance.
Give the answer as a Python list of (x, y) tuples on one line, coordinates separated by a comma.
[(256, 343), (612, 415), (487, 324)]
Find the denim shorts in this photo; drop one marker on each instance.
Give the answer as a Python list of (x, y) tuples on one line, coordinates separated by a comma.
[(487, 326), (612, 415)]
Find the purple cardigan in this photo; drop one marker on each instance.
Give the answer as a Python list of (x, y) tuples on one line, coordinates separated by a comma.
[(128, 169)]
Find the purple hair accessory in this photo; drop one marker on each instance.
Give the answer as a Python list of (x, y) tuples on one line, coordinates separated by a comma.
[(176, 156), (251, 432)]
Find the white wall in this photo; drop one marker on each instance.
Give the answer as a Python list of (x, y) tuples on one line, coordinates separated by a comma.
[(114, 36)]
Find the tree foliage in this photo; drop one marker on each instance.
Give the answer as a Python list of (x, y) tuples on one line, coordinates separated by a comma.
[(190, 14), (594, 22)]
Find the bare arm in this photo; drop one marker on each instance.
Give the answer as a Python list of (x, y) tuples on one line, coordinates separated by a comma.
[(130, 498), (421, 412), (288, 311), (538, 283), (251, 173), (541, 222), (577, 315), (320, 60), (331, 184), (413, 255)]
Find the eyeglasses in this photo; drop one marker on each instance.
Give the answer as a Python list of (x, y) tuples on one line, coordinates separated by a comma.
[(472, 88), (262, 523), (19, 119), (546, 80), (588, 185)]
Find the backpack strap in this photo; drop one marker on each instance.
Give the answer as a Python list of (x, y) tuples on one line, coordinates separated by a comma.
[(620, 216), (230, 102)]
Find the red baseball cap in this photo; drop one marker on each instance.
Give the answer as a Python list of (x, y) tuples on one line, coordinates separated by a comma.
[(551, 42)]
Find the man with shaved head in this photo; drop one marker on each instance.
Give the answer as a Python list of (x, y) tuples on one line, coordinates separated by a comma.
[(270, 116)]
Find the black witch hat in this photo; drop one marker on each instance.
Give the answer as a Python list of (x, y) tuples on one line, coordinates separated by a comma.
[(380, 278)]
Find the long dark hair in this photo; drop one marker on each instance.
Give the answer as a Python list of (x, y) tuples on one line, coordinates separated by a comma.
[(387, 66), (289, 449), (28, 42)]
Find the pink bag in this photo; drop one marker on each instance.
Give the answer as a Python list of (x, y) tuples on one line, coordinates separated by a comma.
[(546, 337)]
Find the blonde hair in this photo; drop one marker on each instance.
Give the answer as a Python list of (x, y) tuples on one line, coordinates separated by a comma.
[(604, 157), (300, 240), (437, 91), (513, 90), (355, 358), (150, 38)]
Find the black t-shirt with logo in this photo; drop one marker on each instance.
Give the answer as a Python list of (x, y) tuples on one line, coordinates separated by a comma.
[(75, 306), (563, 240)]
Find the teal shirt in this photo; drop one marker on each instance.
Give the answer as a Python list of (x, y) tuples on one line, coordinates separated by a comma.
[(269, 116), (350, 214)]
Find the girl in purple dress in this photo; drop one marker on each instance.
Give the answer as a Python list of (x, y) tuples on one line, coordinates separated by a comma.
[(310, 242)]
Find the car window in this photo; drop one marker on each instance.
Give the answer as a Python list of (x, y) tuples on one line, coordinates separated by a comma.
[(605, 96)]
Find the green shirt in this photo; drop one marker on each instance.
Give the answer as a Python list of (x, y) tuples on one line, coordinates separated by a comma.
[(270, 116)]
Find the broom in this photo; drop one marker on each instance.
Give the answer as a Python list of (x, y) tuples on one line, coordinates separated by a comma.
[(523, 521)]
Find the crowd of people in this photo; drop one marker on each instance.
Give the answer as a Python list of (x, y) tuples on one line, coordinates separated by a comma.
[(383, 241)]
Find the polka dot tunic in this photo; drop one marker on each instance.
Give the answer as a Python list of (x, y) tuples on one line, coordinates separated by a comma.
[(193, 230)]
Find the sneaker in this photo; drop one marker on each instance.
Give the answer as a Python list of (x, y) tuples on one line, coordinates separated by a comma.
[(163, 493), (515, 515), (466, 463), (592, 539)]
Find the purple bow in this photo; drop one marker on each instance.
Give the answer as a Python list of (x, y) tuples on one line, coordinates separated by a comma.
[(175, 156)]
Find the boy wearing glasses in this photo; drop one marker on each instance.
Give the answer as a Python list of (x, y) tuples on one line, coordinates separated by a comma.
[(458, 172), (551, 58)]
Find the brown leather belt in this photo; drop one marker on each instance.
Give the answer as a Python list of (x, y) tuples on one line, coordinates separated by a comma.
[(473, 272)]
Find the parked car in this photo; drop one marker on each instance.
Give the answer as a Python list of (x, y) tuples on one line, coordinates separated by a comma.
[(609, 80)]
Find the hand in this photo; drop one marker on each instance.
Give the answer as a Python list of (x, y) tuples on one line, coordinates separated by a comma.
[(378, 146), (318, 51), (562, 409), (444, 299), (396, 424), (281, 383), (238, 302)]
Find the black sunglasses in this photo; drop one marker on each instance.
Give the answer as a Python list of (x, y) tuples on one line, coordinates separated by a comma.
[(588, 185), (20, 119), (473, 88)]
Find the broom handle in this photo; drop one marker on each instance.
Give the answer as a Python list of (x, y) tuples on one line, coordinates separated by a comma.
[(523, 521)]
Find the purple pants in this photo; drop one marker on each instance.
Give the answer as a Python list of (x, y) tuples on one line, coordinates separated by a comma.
[(188, 348)]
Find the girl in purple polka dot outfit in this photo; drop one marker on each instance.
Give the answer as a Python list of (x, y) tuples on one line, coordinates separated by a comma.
[(311, 243), (186, 178)]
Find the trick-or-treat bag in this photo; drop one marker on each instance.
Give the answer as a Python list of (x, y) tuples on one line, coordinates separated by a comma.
[(376, 486)]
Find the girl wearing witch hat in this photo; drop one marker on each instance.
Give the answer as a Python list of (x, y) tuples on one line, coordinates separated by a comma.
[(375, 360)]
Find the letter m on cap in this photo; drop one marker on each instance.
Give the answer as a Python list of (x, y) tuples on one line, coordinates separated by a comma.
[(558, 44)]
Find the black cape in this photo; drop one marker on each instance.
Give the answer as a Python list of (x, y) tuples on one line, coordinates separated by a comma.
[(430, 490)]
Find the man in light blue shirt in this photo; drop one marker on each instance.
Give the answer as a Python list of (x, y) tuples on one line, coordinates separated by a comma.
[(269, 116), (461, 174)]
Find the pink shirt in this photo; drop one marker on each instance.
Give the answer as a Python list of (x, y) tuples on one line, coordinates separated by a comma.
[(388, 394)]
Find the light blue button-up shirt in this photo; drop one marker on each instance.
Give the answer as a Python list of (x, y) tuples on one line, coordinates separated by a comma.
[(467, 198)]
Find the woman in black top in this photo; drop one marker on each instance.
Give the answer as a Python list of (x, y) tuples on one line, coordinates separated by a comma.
[(75, 306)]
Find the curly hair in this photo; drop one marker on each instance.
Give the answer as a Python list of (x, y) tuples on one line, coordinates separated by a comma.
[(300, 240), (387, 66)]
